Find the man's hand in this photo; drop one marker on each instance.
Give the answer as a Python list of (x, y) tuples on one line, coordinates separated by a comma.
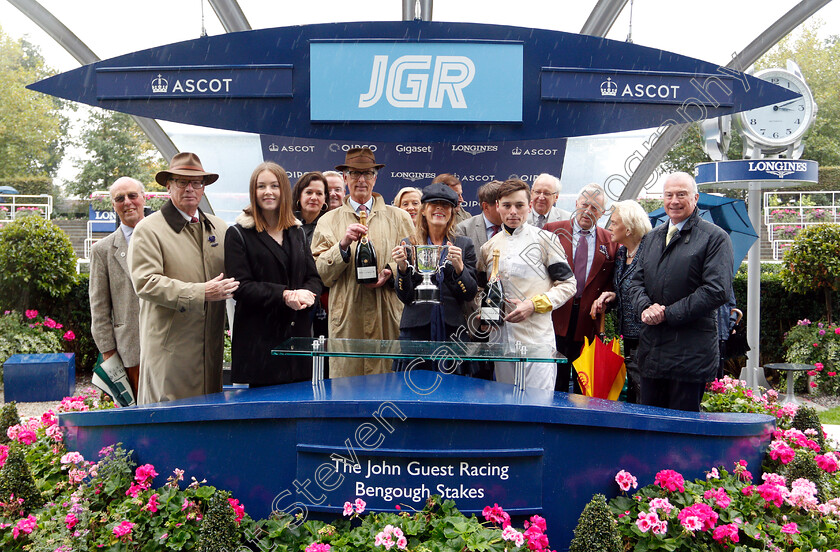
[(108, 354), (298, 299), (384, 276), (653, 315), (523, 310), (354, 233), (220, 288)]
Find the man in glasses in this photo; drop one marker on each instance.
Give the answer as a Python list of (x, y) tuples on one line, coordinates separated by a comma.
[(360, 311), (176, 257), (114, 308), (544, 194)]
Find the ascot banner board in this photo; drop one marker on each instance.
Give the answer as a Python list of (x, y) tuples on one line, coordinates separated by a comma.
[(417, 164), (739, 173), (427, 80)]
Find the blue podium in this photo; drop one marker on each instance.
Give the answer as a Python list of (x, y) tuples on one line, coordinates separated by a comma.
[(394, 439), (42, 377)]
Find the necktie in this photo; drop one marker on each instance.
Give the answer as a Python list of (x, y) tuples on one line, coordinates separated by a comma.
[(541, 221), (671, 232), (362, 208), (581, 258), (193, 219), (494, 230)]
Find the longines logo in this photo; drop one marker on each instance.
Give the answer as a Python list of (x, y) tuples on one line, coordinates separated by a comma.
[(161, 86), (474, 149), (533, 151), (408, 150), (413, 176), (293, 148), (347, 147), (408, 79), (778, 168)]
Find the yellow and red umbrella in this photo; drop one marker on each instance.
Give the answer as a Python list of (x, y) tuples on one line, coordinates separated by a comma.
[(600, 369)]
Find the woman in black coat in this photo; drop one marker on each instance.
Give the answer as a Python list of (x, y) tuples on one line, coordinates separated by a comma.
[(267, 252), (456, 282)]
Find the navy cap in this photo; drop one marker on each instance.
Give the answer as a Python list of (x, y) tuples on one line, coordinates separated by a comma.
[(439, 192)]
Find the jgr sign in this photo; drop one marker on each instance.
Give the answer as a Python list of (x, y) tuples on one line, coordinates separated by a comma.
[(416, 82)]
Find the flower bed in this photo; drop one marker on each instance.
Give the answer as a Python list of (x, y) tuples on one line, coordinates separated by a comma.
[(817, 344), (784, 215), (786, 232), (109, 503)]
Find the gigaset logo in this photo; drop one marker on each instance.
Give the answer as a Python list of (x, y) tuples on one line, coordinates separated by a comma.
[(406, 82)]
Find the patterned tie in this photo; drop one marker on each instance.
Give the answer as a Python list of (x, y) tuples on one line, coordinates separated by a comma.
[(672, 231), (495, 230), (362, 208), (541, 221), (581, 258), (193, 219)]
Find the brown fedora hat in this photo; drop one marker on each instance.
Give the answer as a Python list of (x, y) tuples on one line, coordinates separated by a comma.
[(185, 164), (359, 158)]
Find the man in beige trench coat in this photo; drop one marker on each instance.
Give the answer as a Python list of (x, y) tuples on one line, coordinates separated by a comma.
[(369, 311), (176, 257)]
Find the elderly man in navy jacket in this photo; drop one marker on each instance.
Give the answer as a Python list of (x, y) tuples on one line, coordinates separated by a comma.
[(685, 275)]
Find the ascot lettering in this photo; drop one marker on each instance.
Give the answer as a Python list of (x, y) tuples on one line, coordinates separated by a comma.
[(662, 91), (202, 85), (406, 81)]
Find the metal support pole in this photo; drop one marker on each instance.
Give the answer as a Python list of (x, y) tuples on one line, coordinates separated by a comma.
[(753, 373)]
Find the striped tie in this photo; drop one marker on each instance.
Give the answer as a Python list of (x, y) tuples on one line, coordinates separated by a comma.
[(672, 231)]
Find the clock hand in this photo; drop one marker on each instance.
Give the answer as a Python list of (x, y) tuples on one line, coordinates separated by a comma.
[(788, 103)]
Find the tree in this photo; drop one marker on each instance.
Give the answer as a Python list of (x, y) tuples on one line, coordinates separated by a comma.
[(116, 146), (33, 129), (818, 59), (813, 262)]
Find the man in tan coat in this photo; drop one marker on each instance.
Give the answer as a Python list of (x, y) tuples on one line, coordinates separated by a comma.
[(360, 311), (114, 309), (176, 257)]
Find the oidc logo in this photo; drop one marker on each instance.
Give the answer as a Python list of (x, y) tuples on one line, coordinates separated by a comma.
[(406, 81)]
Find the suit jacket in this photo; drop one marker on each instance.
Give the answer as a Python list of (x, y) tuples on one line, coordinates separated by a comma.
[(474, 229), (114, 307), (599, 279), (555, 214), (262, 320), (181, 334)]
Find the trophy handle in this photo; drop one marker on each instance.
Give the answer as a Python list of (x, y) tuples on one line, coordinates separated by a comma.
[(445, 261), (408, 257)]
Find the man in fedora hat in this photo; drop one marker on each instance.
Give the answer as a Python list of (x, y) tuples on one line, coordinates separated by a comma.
[(176, 257), (369, 311)]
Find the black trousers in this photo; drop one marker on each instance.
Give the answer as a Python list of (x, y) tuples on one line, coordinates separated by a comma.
[(673, 394), (569, 348)]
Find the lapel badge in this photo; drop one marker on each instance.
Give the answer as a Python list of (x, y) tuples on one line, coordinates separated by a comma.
[(212, 240), (603, 249)]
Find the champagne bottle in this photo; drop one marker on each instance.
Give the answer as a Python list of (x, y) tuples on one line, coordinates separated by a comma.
[(366, 272), (493, 303)]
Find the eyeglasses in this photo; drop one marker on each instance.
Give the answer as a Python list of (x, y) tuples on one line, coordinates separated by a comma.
[(196, 184), (356, 175), (132, 196), (546, 194)]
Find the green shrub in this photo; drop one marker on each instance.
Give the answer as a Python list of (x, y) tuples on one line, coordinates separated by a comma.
[(74, 310), (804, 466), (37, 263), (807, 418), (16, 479), (25, 336), (818, 345), (218, 529), (596, 530), (8, 417), (812, 263)]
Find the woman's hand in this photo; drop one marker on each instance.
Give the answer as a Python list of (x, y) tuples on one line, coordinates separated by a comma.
[(600, 304), (456, 257), (398, 254)]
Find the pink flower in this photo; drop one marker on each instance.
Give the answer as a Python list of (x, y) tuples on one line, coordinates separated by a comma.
[(626, 481), (496, 514), (72, 458), (123, 529), (26, 437), (670, 480), (692, 523), (49, 322), (135, 490), (661, 504), (790, 529), (819, 365), (643, 523), (726, 533), (145, 472), (360, 505), (239, 510), (812, 372), (837, 330), (827, 462), (714, 474), (317, 547), (511, 534), (25, 525), (781, 451), (71, 521), (832, 374), (348, 509), (105, 451), (386, 538), (30, 314), (704, 514), (4, 453), (69, 335), (660, 528), (152, 504)]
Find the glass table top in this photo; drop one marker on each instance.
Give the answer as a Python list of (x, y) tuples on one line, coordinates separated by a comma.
[(409, 349)]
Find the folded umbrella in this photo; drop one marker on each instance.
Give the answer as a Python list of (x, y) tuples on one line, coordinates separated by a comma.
[(600, 369)]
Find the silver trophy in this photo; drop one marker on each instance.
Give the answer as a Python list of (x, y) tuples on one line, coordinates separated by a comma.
[(427, 261)]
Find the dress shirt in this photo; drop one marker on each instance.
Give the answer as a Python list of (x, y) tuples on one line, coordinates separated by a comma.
[(590, 242)]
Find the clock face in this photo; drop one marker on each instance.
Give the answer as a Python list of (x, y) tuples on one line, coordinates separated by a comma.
[(783, 123)]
